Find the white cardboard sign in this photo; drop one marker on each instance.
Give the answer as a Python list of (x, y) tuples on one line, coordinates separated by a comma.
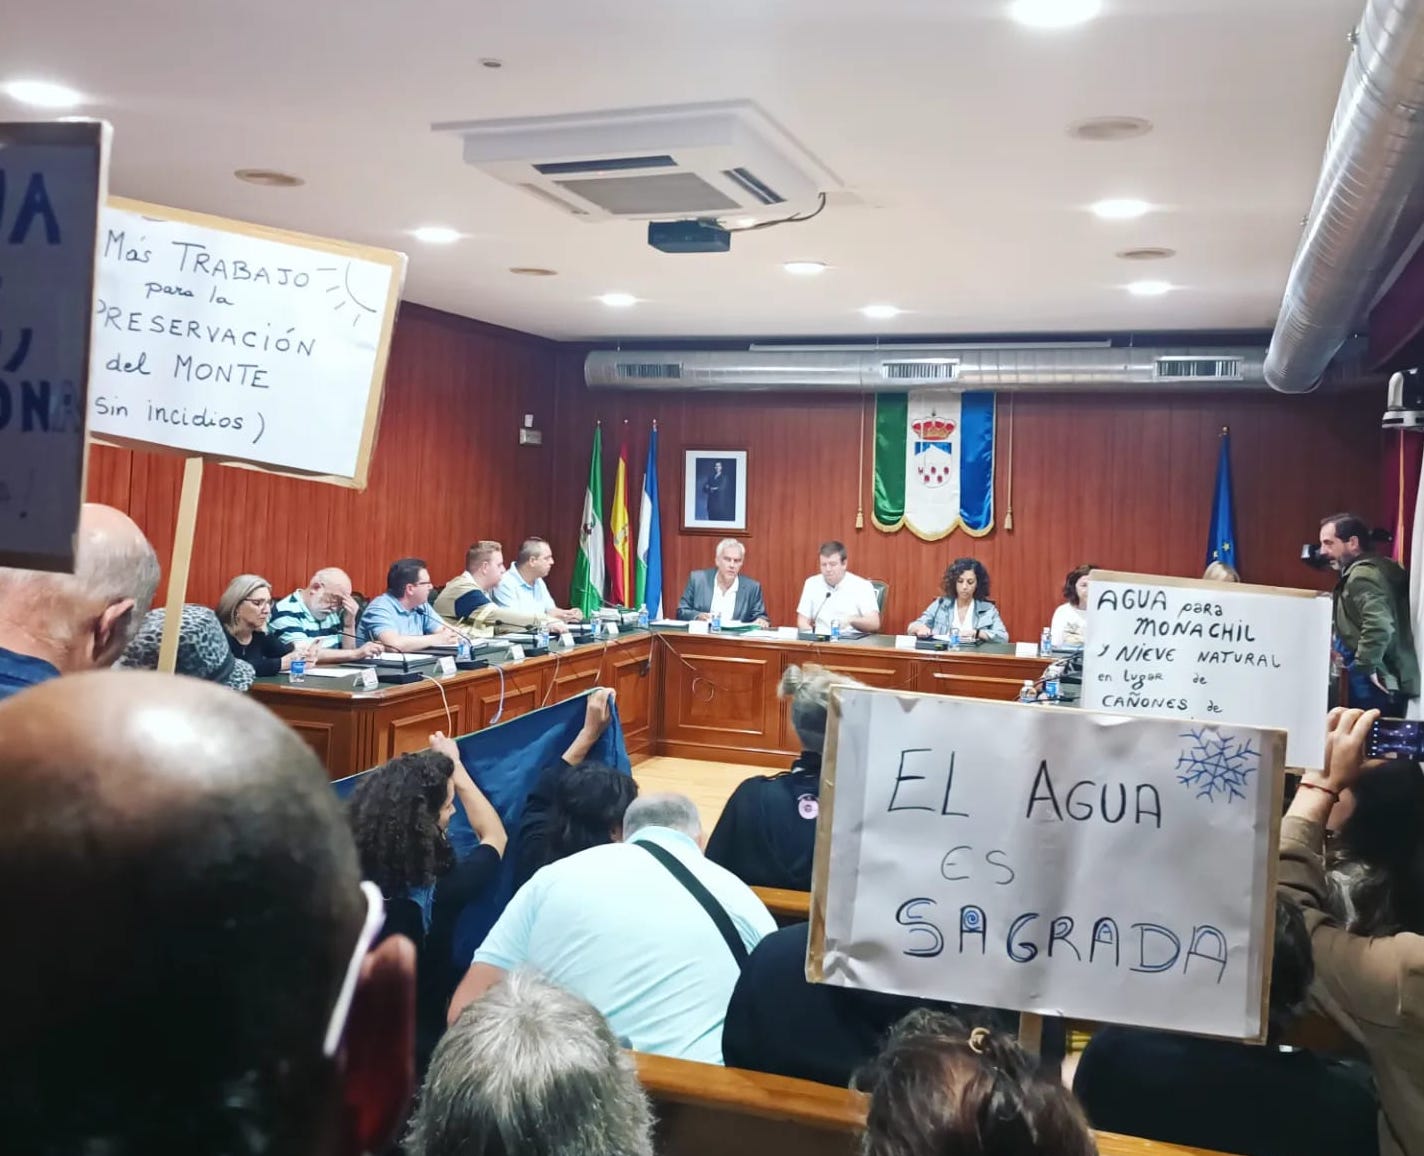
[(1218, 651), (240, 343), (1049, 860), (52, 181)]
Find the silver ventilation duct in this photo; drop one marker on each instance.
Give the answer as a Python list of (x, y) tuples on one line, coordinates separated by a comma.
[(1374, 158), (1020, 367)]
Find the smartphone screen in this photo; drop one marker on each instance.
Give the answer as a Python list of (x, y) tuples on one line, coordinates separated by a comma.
[(1395, 738)]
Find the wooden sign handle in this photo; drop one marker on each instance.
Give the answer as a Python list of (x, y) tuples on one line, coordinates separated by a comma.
[(1031, 1033), (182, 556)]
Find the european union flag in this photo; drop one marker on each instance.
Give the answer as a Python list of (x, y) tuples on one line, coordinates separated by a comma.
[(1221, 538)]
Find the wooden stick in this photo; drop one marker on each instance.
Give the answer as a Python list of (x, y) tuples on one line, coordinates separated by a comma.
[(1031, 1032), (182, 556)]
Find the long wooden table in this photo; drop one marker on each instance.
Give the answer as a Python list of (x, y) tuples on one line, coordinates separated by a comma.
[(709, 696)]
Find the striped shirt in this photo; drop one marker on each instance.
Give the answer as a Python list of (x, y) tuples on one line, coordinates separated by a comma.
[(293, 622)]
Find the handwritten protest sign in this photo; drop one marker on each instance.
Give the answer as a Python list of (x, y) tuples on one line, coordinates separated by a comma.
[(52, 182), (1223, 652), (241, 343), (1049, 860)]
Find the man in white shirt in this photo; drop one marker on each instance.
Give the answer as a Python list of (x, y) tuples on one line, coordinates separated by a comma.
[(523, 587), (616, 926), (837, 595)]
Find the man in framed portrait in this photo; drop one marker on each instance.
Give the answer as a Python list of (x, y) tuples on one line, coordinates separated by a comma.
[(721, 491)]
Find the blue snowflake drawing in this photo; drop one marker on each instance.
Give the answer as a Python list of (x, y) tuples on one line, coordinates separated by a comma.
[(1215, 763)]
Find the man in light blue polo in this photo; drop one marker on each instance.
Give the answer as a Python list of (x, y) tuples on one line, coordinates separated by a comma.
[(401, 618), (616, 926), (523, 588)]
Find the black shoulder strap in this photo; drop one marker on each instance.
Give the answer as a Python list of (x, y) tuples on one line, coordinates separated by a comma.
[(700, 893)]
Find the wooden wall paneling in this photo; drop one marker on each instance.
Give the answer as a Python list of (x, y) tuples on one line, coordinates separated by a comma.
[(1123, 480), (407, 726), (632, 681), (719, 694)]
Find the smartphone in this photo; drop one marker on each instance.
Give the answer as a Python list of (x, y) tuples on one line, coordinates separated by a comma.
[(1396, 738)]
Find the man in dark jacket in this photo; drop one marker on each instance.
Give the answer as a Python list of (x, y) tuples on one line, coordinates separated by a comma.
[(1372, 622)]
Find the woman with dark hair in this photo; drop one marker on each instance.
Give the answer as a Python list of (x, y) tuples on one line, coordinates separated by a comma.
[(1369, 974), (939, 1087), (399, 815), (575, 804), (963, 602), (1069, 625)]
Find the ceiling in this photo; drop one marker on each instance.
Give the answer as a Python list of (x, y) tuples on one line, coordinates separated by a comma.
[(945, 119)]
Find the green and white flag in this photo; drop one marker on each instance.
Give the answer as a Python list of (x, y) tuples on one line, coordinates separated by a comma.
[(586, 594), (934, 462)]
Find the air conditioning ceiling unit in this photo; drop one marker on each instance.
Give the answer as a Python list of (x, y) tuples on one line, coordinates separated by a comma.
[(719, 159)]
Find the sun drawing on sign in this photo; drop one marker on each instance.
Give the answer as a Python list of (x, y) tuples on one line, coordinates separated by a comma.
[(345, 296), (1214, 763)]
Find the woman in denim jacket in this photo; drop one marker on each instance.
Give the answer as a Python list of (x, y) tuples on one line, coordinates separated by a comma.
[(963, 602)]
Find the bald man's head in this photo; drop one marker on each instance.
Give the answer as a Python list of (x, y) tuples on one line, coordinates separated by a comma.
[(83, 620), (182, 902)]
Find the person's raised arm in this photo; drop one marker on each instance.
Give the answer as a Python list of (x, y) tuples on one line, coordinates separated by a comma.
[(596, 717), (484, 819)]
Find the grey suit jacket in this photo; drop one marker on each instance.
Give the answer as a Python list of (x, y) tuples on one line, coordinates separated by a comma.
[(697, 598)]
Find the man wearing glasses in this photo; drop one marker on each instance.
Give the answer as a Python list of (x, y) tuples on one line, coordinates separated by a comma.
[(323, 615), (401, 618)]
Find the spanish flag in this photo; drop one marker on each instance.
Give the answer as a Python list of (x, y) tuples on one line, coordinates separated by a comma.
[(621, 564)]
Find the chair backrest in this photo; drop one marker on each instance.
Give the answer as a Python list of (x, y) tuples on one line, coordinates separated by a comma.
[(785, 906), (881, 590), (705, 1110)]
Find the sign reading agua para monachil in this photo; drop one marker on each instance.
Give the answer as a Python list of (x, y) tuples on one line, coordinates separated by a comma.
[(241, 343), (52, 181), (1218, 651), (1049, 860)]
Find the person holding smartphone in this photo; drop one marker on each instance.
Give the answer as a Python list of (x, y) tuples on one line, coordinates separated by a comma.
[(1369, 975)]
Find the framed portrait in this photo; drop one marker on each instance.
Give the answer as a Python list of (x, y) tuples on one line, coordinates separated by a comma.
[(714, 491)]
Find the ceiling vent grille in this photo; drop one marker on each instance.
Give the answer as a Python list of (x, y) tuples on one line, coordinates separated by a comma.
[(722, 158), (922, 371), (1199, 369), (650, 370)]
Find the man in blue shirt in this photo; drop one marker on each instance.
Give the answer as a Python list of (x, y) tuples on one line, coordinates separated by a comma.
[(53, 624), (523, 588), (401, 618), (617, 927)]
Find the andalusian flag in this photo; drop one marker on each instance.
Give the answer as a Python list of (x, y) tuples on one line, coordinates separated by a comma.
[(587, 591), (650, 537), (622, 574), (934, 462)]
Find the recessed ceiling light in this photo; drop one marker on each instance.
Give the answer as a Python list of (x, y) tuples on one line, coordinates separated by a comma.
[(1149, 288), (1146, 253), (532, 271), (743, 222), (1120, 209), (436, 234), (1110, 128), (43, 94), (618, 300), (805, 268), (881, 312), (491, 62), (269, 178), (1054, 13)]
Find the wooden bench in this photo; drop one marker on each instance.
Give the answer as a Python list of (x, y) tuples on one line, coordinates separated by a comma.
[(785, 906), (704, 1110)]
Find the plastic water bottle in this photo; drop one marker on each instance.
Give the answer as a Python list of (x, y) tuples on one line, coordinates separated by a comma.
[(541, 637), (835, 629), (1045, 643), (643, 617), (716, 625), (954, 638), (597, 629), (1050, 689), (462, 649), (297, 671), (1026, 692)]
